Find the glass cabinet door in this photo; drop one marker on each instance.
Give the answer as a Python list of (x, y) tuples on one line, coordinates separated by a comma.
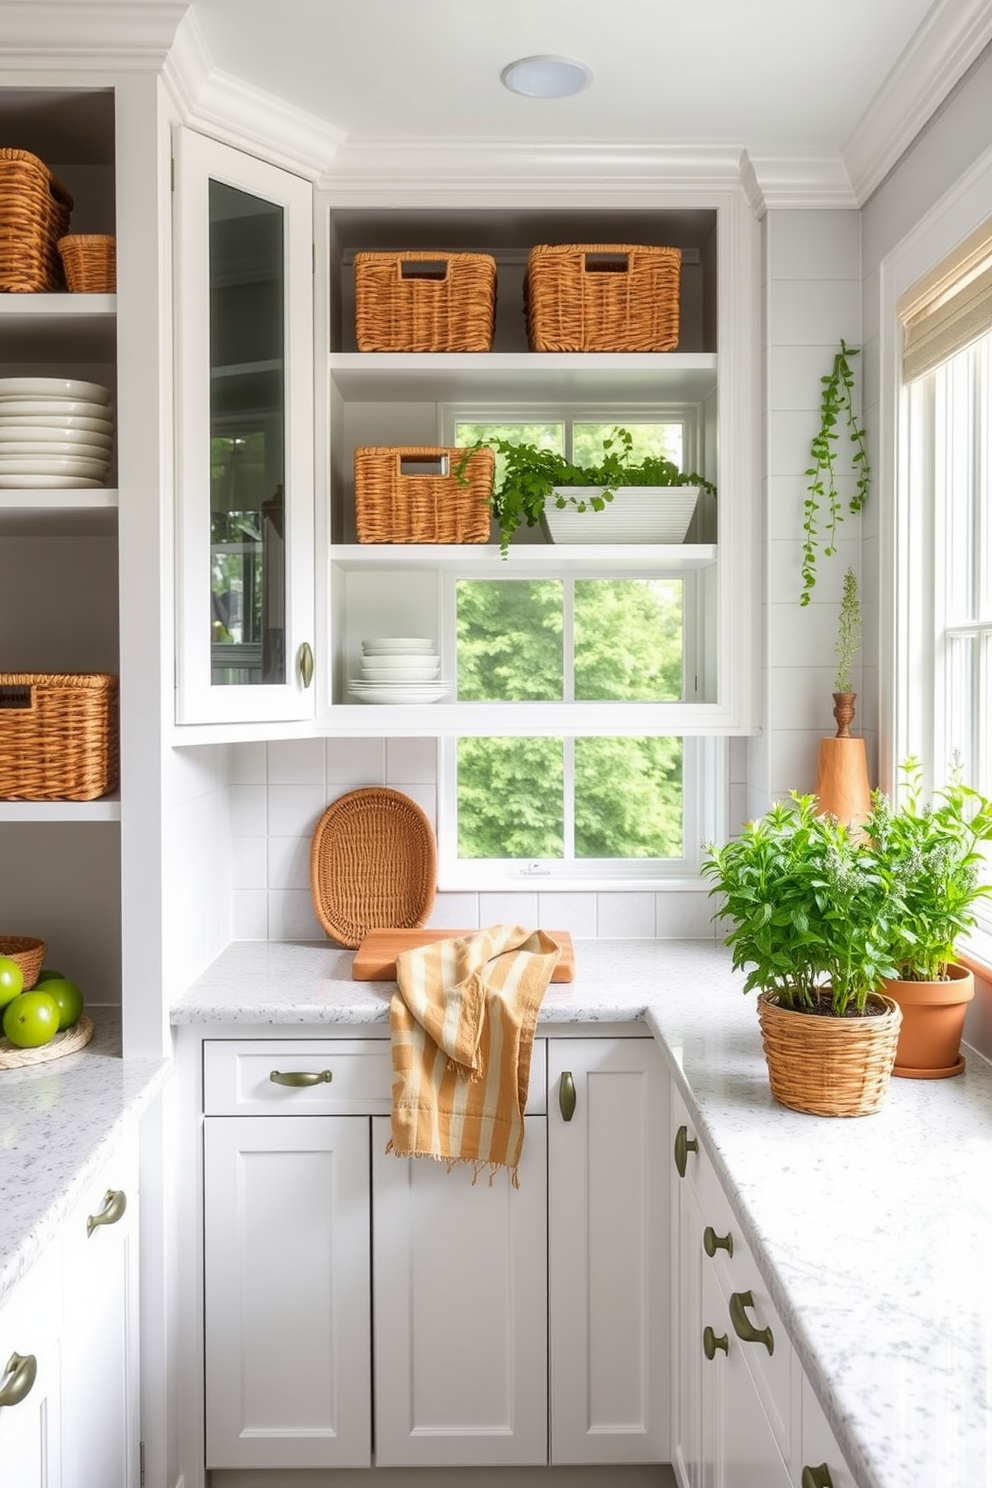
[(245, 437)]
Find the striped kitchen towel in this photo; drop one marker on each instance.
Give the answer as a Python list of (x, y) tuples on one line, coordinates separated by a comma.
[(462, 1023)]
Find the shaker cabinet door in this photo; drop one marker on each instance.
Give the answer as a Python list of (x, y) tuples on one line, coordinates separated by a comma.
[(286, 1291)]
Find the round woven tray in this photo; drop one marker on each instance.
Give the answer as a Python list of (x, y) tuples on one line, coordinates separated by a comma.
[(373, 865), (829, 1066), (29, 954), (66, 1042)]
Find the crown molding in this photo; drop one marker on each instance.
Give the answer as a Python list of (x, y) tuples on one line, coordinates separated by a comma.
[(799, 182), (952, 36), (238, 114), (86, 35), (487, 172)]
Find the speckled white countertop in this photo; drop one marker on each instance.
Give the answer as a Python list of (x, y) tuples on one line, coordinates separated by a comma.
[(874, 1235), (59, 1122)]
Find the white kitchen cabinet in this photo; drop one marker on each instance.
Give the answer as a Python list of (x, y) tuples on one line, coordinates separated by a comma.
[(822, 1465), (607, 1251), (460, 1282), (100, 1340), (244, 296), (286, 1290), (30, 1378)]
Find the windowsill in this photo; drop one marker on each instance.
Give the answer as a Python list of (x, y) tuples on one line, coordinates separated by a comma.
[(976, 954)]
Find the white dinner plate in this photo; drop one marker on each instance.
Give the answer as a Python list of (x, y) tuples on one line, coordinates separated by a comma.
[(54, 408), (42, 434), (53, 387), (55, 420), (49, 482), (50, 465), (19, 449), (400, 695)]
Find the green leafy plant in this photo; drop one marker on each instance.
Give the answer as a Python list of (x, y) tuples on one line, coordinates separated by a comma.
[(809, 906), (530, 475), (836, 413), (848, 633), (930, 851)]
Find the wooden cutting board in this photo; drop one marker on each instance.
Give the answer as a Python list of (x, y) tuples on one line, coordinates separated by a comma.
[(375, 959)]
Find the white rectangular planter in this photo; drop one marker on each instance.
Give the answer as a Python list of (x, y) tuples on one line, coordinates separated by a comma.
[(637, 514)]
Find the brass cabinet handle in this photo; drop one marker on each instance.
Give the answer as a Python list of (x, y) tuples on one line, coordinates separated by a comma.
[(684, 1144), (712, 1342), (301, 1077), (817, 1477), (21, 1372), (114, 1204), (743, 1326), (712, 1242), (566, 1095), (306, 664)]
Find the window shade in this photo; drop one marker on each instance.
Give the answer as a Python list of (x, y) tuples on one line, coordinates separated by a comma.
[(949, 308)]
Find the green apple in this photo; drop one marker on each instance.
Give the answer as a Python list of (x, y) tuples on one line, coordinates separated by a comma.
[(69, 998), (11, 980), (49, 974), (31, 1019)]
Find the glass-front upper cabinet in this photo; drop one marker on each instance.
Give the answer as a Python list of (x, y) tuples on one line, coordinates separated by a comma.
[(244, 367)]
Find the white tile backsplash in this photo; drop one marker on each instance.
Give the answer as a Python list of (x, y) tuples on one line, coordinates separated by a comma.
[(294, 809), (248, 810), (248, 862), (625, 916), (296, 762), (352, 763), (288, 863), (413, 760), (574, 912)]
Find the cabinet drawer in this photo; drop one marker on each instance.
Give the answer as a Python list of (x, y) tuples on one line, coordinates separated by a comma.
[(31, 1318), (237, 1077), (350, 1077)]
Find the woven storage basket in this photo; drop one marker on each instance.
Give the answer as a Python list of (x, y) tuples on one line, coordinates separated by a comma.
[(34, 214), (58, 736), (373, 864), (90, 262), (393, 505), (829, 1066), (602, 297), (29, 954), (421, 301)]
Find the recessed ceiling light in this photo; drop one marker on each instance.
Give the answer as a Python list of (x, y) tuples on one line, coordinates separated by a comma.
[(545, 77)]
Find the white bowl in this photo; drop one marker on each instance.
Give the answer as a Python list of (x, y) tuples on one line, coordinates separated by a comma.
[(53, 387), (387, 674), (401, 661), (379, 644)]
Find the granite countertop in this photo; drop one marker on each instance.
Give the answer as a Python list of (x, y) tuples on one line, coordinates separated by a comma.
[(874, 1235), (59, 1122)]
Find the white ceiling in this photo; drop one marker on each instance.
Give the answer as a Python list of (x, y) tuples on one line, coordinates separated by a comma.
[(774, 76)]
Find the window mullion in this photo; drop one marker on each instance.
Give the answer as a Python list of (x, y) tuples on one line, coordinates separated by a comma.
[(568, 745)]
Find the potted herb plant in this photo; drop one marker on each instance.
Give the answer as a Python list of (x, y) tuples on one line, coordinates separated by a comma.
[(931, 854), (809, 910), (534, 485)]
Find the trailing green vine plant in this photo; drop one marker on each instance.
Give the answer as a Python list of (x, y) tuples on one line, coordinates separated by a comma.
[(823, 505)]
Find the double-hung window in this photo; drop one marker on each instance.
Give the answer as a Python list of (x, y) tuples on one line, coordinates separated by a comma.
[(945, 490), (607, 806)]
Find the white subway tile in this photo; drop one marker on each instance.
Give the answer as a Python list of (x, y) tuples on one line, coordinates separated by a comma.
[(247, 764), (248, 810), (411, 760), (508, 909), (248, 858), (625, 915), (288, 863), (455, 911), (296, 762), (424, 795), (249, 914), (352, 763), (574, 912), (292, 917), (684, 914), (294, 809)]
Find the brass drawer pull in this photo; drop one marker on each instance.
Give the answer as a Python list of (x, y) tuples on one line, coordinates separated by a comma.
[(712, 1242), (301, 1077), (817, 1477), (566, 1095), (743, 1326), (713, 1341), (114, 1204), (21, 1372), (684, 1144)]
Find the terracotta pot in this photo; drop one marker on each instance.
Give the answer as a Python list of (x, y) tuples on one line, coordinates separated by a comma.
[(933, 1016), (829, 1066)]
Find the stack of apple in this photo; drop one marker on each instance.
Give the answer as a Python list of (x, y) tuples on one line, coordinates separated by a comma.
[(33, 1018)]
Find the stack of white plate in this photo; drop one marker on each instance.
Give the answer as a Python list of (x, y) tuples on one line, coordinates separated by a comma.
[(55, 432), (399, 669)]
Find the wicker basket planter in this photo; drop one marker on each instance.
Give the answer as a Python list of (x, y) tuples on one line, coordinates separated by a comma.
[(602, 297), (829, 1066), (411, 494), (58, 736), (420, 301), (28, 952), (90, 262), (34, 214)]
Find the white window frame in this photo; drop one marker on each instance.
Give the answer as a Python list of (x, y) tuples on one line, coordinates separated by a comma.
[(687, 414), (916, 573)]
